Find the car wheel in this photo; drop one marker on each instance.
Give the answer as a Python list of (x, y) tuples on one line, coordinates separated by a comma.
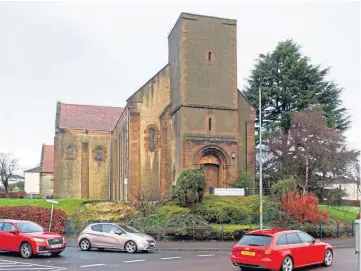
[(26, 251), (55, 254), (85, 245), (287, 264), (328, 259), (131, 247)]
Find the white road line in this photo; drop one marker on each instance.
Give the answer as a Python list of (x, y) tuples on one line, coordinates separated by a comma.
[(91, 265), (134, 261), (28, 266), (171, 258), (209, 255)]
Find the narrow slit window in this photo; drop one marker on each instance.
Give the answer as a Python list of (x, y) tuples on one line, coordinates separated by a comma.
[(210, 124), (99, 154), (151, 139), (69, 152), (209, 56)]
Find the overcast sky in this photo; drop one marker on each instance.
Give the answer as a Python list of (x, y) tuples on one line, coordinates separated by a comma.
[(101, 52)]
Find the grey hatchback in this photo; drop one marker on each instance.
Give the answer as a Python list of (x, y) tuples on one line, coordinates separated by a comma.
[(114, 236)]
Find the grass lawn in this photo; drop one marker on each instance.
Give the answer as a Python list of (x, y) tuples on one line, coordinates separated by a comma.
[(342, 213), (67, 205)]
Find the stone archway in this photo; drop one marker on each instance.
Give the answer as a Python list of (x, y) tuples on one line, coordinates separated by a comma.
[(214, 162)]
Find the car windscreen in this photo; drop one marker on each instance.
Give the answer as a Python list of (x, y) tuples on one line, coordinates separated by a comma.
[(128, 228), (255, 240), (29, 227)]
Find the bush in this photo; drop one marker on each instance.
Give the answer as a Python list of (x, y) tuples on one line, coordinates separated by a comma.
[(148, 223), (245, 181), (181, 224), (358, 216), (281, 187), (38, 215), (190, 186), (13, 195), (167, 211)]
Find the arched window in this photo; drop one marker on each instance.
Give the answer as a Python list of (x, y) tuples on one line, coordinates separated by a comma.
[(99, 154), (69, 152), (151, 139), (209, 56)]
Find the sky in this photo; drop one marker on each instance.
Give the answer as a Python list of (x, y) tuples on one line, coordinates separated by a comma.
[(100, 53)]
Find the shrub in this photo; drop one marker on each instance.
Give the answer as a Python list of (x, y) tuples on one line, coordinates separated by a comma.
[(354, 203), (281, 187), (181, 224), (303, 208), (38, 215), (190, 186), (358, 216), (148, 223), (245, 181), (167, 211)]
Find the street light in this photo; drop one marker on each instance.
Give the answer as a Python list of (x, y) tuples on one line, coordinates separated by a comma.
[(260, 157)]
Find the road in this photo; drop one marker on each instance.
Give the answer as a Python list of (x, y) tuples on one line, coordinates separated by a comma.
[(74, 259)]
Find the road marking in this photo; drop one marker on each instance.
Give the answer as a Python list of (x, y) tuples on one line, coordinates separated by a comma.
[(27, 266), (171, 258), (134, 261), (209, 255), (91, 265)]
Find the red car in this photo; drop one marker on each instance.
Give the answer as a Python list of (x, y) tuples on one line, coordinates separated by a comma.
[(280, 250), (29, 239)]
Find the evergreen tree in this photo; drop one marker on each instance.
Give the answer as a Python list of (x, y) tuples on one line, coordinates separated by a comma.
[(290, 83)]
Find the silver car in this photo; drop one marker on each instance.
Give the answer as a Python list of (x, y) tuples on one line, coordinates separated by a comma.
[(114, 236)]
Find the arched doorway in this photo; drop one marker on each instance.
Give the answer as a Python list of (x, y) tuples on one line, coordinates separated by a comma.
[(213, 160)]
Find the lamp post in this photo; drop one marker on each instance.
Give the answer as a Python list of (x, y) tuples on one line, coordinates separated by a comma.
[(260, 157)]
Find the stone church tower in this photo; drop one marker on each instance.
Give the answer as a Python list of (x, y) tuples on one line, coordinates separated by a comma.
[(190, 114)]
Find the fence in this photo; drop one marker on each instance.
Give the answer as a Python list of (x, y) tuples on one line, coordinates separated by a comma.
[(222, 232)]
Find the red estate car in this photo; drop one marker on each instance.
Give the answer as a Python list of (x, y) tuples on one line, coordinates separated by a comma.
[(29, 238), (280, 250)]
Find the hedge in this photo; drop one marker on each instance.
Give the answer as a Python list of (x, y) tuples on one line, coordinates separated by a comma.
[(38, 215), (20, 194)]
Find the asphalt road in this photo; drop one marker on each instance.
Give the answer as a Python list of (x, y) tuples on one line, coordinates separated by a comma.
[(74, 259)]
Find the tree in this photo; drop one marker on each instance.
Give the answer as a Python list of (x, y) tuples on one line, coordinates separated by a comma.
[(282, 187), (8, 166), (190, 186), (303, 208), (290, 83), (314, 154), (245, 181)]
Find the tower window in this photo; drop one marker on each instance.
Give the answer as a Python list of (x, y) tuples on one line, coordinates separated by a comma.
[(151, 139), (210, 124), (99, 154), (209, 56), (69, 152)]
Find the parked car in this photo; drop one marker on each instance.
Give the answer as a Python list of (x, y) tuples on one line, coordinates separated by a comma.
[(280, 250), (114, 236), (29, 238)]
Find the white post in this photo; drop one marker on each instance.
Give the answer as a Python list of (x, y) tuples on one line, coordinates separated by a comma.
[(51, 215), (260, 159)]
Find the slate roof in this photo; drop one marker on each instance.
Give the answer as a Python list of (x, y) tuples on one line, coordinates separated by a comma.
[(47, 159), (88, 117), (35, 169)]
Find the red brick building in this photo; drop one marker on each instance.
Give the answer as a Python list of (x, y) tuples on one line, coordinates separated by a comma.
[(190, 114)]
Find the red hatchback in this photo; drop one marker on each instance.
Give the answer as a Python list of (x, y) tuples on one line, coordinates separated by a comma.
[(280, 250), (29, 238)]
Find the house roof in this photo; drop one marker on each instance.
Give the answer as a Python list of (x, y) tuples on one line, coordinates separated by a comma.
[(16, 177), (35, 169), (47, 159), (87, 117)]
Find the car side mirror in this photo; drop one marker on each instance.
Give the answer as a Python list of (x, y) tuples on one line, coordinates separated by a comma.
[(118, 232), (13, 232)]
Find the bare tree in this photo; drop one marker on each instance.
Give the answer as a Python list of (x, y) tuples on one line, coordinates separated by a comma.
[(146, 199), (8, 166)]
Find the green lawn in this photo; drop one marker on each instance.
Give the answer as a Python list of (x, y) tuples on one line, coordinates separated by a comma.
[(342, 213), (67, 205)]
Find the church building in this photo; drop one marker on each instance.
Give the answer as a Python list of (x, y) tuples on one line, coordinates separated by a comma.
[(189, 114)]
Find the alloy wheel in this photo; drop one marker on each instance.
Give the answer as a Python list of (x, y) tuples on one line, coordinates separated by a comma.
[(130, 247), (328, 258), (85, 244), (26, 250), (287, 264)]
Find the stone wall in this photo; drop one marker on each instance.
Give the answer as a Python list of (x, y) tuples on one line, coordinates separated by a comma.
[(46, 184)]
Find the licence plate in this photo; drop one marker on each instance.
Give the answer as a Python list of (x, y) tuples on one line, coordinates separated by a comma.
[(56, 246), (248, 253)]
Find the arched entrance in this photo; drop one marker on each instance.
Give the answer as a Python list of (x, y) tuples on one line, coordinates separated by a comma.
[(213, 160)]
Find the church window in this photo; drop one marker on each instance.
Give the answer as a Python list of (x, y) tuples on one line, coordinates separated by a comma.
[(209, 56), (99, 154), (151, 139), (69, 152), (210, 124)]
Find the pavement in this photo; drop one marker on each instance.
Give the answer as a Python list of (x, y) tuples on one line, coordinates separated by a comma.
[(74, 259), (217, 245)]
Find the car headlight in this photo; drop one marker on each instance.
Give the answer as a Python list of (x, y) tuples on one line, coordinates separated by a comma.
[(40, 240)]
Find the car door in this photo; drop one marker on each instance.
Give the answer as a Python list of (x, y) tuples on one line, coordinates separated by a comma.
[(314, 252), (111, 236), (3, 244), (96, 235), (11, 240), (299, 250)]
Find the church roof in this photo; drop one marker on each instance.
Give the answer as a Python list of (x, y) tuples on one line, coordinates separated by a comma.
[(47, 159), (87, 117)]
